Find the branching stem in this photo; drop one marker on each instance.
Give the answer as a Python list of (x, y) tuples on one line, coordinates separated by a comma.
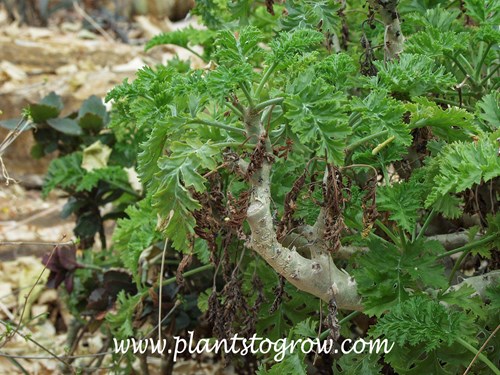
[(457, 265), (269, 102), (368, 138), (426, 224), (217, 124), (480, 64), (247, 93), (490, 74), (195, 53), (470, 246), (265, 78), (379, 147), (459, 65), (234, 109), (387, 231)]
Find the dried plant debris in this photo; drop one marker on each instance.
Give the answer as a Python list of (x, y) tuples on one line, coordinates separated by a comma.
[(332, 321), (279, 291), (258, 156), (287, 222), (334, 202)]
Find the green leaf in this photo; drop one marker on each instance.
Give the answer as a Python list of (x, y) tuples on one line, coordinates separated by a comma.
[(461, 165), (449, 206), (185, 37), (403, 200), (65, 125), (152, 149), (320, 14), (240, 9), (421, 320), (71, 206), (493, 294), (86, 225), (412, 75), (439, 17), (121, 322), (490, 110), (296, 306), (236, 51), (415, 360), (364, 363), (307, 328), (201, 250), (488, 33), (92, 114), (64, 172), (135, 233), (12, 124), (224, 80), (49, 107), (287, 45), (466, 298), (292, 364), (337, 70), (317, 116), (379, 112), (494, 227), (210, 12), (114, 175), (386, 284), (484, 11), (451, 124), (434, 42), (203, 300), (177, 173), (53, 100), (145, 102)]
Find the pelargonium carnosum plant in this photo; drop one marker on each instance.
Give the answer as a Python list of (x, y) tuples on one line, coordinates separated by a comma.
[(336, 164)]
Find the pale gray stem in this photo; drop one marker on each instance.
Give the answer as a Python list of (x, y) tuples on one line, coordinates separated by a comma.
[(480, 283), (452, 241), (319, 275), (304, 243), (393, 36)]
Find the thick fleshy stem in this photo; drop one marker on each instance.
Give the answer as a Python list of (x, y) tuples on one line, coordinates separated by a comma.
[(317, 275), (393, 36)]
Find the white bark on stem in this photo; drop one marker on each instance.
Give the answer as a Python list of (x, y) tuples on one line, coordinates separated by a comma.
[(452, 241), (393, 36), (480, 283), (319, 275)]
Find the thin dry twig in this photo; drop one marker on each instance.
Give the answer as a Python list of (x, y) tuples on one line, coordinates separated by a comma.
[(28, 243), (55, 356), (5, 173), (90, 20), (8, 337), (7, 355), (31, 218), (481, 349), (6, 311), (21, 126)]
